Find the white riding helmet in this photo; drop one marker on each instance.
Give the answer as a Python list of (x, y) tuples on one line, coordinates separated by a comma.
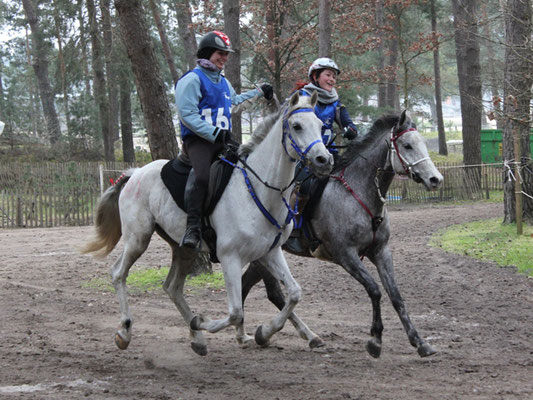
[(321, 63)]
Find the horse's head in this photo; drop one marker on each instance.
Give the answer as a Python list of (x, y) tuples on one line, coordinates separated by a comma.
[(409, 154), (302, 135)]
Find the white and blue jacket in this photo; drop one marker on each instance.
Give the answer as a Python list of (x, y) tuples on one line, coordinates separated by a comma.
[(204, 99)]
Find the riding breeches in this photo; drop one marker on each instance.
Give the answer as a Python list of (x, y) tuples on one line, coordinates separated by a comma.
[(201, 153)]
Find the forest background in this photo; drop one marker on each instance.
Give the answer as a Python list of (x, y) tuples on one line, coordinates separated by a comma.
[(80, 79)]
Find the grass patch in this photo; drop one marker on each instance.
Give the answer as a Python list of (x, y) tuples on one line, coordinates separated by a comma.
[(149, 279), (490, 240), (452, 158), (450, 134)]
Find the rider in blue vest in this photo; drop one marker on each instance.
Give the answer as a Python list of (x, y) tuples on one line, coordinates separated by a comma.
[(204, 98), (322, 74)]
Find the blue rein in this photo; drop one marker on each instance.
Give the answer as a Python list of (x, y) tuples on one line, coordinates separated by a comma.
[(302, 154), (266, 213)]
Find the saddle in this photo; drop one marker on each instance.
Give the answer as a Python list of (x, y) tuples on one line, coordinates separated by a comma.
[(175, 175)]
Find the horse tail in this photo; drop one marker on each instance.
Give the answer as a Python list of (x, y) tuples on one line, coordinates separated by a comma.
[(107, 220)]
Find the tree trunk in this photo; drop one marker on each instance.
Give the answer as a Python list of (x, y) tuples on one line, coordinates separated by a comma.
[(150, 86), (110, 68), (2, 104), (495, 75), (99, 84), (186, 32), (164, 42), (324, 28), (443, 148), (273, 62), (517, 107), (62, 67), (126, 126), (34, 113), (392, 99), (233, 65), (469, 74), (40, 67), (83, 48), (382, 86)]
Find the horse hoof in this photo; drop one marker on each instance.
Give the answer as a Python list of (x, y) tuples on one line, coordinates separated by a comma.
[(374, 348), (260, 338), (121, 342), (200, 349), (316, 342), (425, 350), (244, 340), (196, 322)]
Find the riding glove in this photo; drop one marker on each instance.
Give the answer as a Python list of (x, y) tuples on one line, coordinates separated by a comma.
[(224, 137), (267, 90), (350, 132)]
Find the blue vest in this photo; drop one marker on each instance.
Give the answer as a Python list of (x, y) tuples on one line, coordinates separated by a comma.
[(326, 113), (215, 103)]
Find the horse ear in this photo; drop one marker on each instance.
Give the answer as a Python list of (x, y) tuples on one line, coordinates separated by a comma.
[(294, 99), (403, 117), (314, 98)]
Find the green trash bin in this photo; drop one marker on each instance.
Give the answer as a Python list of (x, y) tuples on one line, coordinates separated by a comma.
[(492, 148)]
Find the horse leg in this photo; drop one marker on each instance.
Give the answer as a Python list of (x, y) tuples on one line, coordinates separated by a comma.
[(354, 266), (231, 267), (134, 246), (275, 263), (253, 275), (173, 286), (384, 264)]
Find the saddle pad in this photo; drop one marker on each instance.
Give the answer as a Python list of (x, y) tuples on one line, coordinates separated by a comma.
[(175, 173)]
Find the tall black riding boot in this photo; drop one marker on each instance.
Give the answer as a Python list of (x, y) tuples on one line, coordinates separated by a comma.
[(298, 201), (194, 202)]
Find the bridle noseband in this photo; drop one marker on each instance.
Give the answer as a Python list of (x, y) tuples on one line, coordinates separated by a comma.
[(286, 134), (394, 149)]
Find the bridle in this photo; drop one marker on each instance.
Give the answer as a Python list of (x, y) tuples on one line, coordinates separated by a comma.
[(287, 134), (407, 170), (394, 150)]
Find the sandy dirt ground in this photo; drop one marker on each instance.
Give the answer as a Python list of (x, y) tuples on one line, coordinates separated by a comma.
[(56, 334)]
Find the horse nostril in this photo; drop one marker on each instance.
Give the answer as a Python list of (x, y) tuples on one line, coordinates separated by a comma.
[(434, 181), (320, 160)]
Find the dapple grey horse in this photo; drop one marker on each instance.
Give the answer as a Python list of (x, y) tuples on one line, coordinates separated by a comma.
[(139, 204), (351, 222)]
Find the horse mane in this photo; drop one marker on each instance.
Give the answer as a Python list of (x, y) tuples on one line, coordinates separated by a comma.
[(362, 144), (262, 130)]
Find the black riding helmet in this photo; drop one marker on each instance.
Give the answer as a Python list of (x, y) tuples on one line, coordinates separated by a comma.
[(211, 42)]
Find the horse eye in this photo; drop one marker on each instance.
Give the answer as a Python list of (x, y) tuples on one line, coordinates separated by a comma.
[(296, 126), (408, 146)]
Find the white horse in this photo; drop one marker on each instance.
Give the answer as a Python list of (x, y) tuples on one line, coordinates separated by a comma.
[(139, 204)]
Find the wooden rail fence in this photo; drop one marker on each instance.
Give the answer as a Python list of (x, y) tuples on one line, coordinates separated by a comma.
[(63, 194)]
